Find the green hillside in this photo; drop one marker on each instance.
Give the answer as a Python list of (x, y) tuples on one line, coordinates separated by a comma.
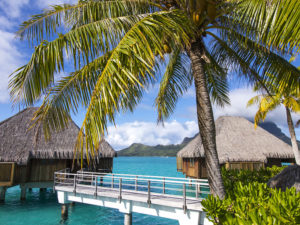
[(158, 150), (171, 150)]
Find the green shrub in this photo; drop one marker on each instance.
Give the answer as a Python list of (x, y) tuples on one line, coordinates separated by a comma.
[(230, 177), (250, 202)]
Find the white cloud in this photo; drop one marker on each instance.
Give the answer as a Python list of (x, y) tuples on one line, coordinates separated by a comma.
[(150, 133), (13, 8), (239, 98), (47, 3), (10, 60), (5, 23)]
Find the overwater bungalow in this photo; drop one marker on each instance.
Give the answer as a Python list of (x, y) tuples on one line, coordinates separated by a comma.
[(28, 160), (239, 146)]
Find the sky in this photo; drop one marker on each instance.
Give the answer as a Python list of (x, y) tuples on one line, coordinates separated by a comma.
[(139, 126)]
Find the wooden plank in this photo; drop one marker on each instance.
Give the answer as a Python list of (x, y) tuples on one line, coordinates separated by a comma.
[(12, 173), (156, 198)]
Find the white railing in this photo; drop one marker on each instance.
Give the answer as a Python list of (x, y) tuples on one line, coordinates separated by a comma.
[(186, 188)]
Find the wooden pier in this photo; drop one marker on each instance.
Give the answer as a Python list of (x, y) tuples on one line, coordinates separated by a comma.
[(169, 197)]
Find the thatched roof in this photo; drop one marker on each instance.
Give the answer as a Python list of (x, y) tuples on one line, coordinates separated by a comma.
[(106, 150), (18, 144), (237, 140)]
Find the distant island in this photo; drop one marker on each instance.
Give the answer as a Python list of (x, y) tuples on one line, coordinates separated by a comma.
[(158, 150), (137, 149)]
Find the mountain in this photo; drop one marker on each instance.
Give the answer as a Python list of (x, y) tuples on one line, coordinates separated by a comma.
[(276, 131), (171, 150), (158, 150)]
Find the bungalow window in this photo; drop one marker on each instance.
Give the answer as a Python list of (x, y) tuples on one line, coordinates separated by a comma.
[(192, 162)]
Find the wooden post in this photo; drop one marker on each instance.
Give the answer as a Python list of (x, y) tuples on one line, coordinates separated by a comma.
[(164, 186), (74, 185), (112, 181), (128, 219), (96, 186), (2, 194), (43, 189), (120, 189), (184, 199), (23, 193), (136, 183), (149, 195), (64, 211), (101, 180)]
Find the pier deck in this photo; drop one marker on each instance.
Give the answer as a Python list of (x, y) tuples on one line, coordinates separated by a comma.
[(169, 197)]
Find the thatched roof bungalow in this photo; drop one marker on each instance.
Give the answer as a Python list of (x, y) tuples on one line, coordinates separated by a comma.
[(27, 158), (239, 146)]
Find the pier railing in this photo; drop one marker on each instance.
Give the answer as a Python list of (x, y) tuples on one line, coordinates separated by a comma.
[(186, 188)]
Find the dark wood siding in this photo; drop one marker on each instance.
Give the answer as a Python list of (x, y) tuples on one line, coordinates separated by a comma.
[(191, 167), (7, 171), (42, 170)]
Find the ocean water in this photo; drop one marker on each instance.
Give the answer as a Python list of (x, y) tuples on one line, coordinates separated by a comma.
[(43, 208)]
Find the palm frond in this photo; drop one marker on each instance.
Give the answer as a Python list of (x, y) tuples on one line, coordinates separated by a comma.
[(67, 16), (68, 94), (252, 60), (275, 24), (129, 69), (254, 100), (292, 103), (217, 81), (175, 82), (83, 43)]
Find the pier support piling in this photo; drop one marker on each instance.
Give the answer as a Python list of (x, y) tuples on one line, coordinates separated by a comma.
[(23, 193), (43, 189), (64, 211), (2, 194), (128, 219)]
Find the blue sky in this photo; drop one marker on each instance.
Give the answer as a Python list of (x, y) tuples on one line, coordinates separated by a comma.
[(139, 126)]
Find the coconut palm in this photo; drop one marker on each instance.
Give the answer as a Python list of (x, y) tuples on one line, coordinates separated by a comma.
[(118, 47), (267, 102)]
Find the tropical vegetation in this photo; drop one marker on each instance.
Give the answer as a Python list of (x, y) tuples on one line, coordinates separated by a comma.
[(118, 48), (250, 201), (289, 98)]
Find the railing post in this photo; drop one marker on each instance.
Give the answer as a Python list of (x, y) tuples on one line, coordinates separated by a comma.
[(96, 188), (149, 195), (164, 186), (112, 181), (136, 183), (120, 189), (184, 199), (54, 182), (197, 194), (75, 177)]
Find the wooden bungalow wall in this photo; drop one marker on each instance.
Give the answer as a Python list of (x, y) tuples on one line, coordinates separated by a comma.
[(7, 171), (198, 170), (40, 170)]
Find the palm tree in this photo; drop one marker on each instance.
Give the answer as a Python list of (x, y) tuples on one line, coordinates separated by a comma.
[(270, 101), (117, 46)]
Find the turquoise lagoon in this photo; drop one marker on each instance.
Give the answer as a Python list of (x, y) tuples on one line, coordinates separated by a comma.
[(43, 209)]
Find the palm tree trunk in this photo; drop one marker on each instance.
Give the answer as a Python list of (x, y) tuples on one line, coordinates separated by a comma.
[(293, 136), (206, 120)]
